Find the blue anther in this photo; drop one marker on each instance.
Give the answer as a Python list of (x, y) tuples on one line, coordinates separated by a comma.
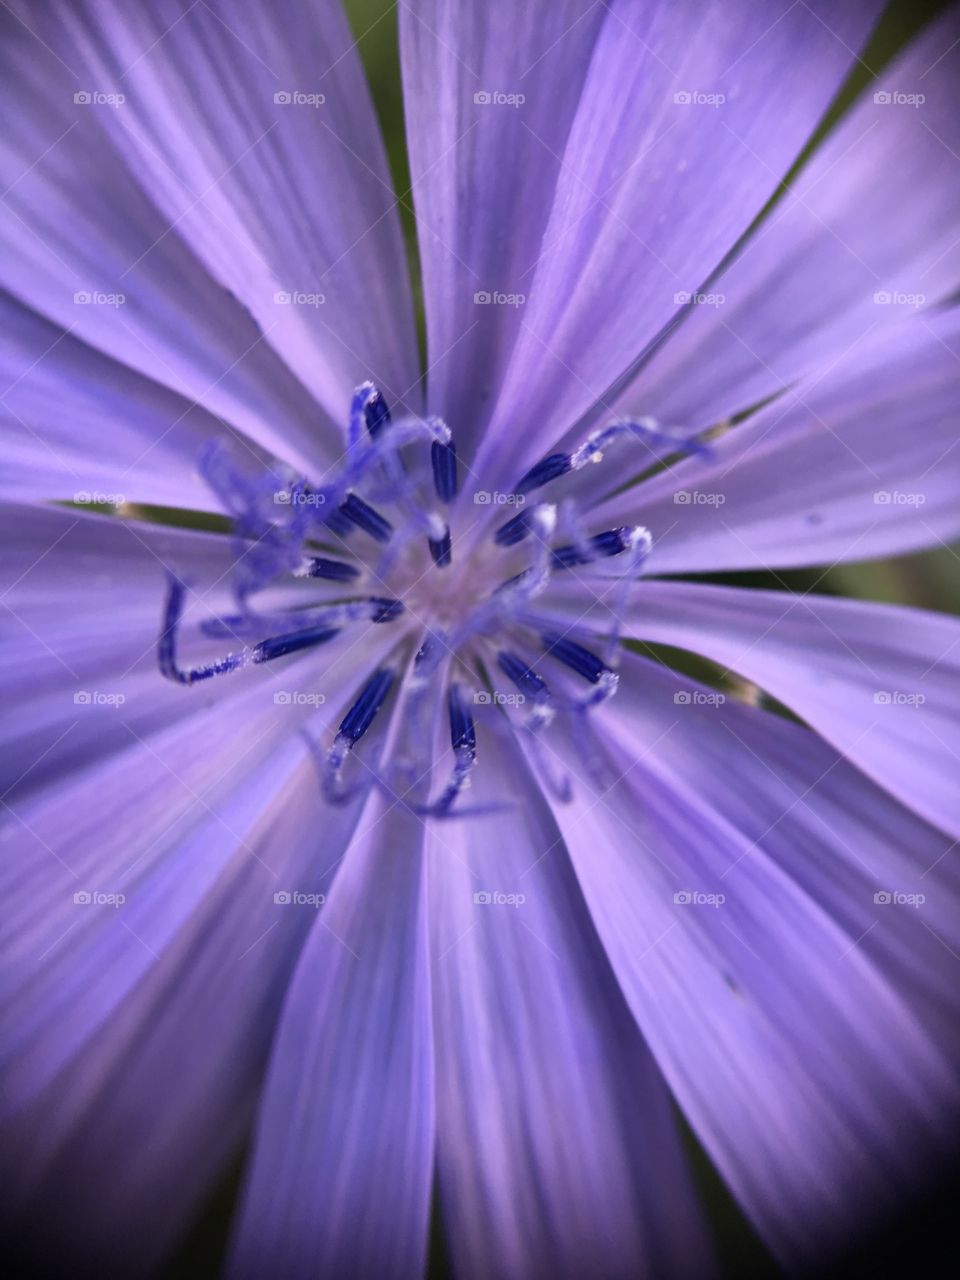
[(444, 459), (331, 570), (524, 677), (375, 413), (385, 609), (337, 522), (292, 642), (167, 643), (366, 518), (513, 531), (610, 543), (440, 549), (462, 731), (581, 660), (549, 468), (371, 698)]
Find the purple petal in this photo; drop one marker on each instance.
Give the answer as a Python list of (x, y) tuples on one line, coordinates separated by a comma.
[(803, 1069), (115, 1152), (484, 172), (173, 204), (859, 464), (77, 422), (880, 682), (867, 233), (687, 122), (558, 1153), (342, 1165)]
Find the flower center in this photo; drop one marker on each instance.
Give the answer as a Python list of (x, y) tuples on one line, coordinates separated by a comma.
[(478, 638)]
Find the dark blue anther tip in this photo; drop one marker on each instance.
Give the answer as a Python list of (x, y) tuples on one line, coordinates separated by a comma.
[(371, 698), (575, 656), (514, 530), (462, 731), (376, 414), (440, 549), (444, 460), (524, 677), (331, 570), (292, 642), (549, 468), (366, 518), (385, 609), (337, 522)]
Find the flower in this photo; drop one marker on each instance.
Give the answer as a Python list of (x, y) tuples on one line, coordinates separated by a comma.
[(383, 887)]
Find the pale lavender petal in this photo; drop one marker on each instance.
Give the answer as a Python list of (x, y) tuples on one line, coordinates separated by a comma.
[(867, 234), (558, 1153), (172, 205), (686, 124), (880, 682), (343, 1159), (77, 424), (806, 1074), (490, 95), (861, 463), (115, 1153)]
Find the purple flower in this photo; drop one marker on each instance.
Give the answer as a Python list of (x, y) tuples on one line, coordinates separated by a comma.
[(425, 867)]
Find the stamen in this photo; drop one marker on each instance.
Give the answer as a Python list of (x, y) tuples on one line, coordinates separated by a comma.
[(647, 430), (376, 413), (575, 656), (366, 518), (265, 651), (331, 570), (444, 460), (440, 549), (524, 677), (352, 728), (513, 531), (549, 468), (463, 740), (292, 642), (610, 543)]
